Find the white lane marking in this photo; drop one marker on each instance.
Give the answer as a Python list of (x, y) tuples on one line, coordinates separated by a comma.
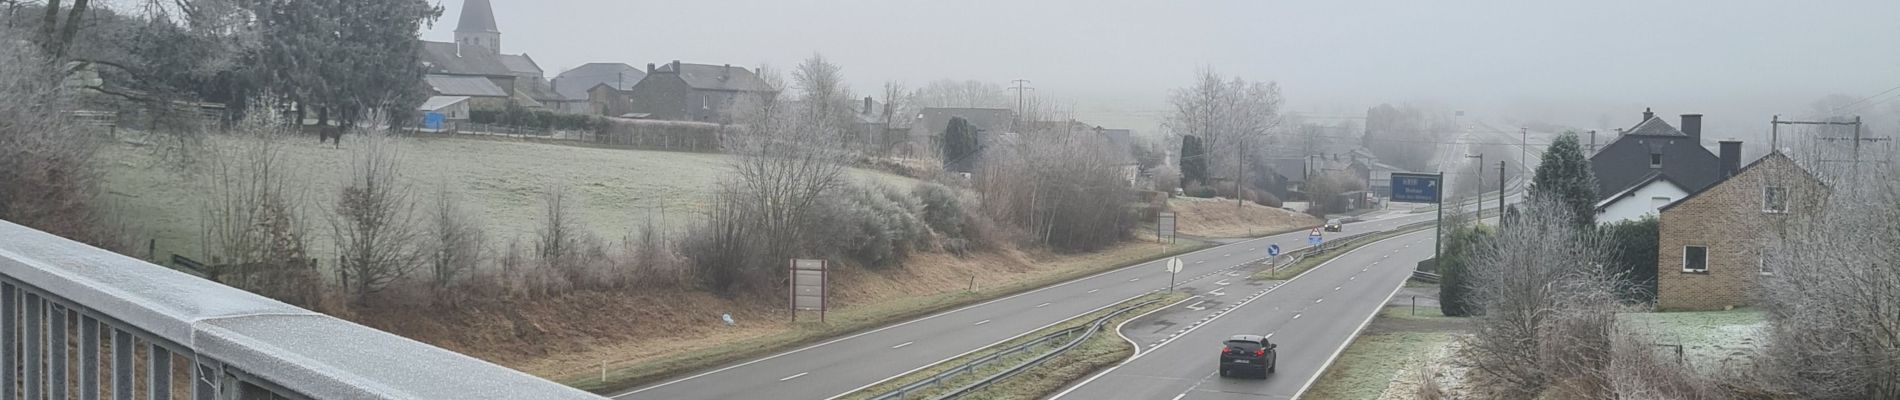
[(1201, 261), (1134, 279), (1296, 316), (1336, 288), (1355, 333), (902, 345), (1353, 277), (1197, 306), (1179, 396), (1230, 254), (1131, 343), (1223, 282), (982, 322), (1216, 292), (1042, 305), (1094, 290), (1318, 300), (792, 377)]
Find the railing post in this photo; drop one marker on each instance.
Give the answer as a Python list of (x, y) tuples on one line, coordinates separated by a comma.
[(10, 311), (121, 364), (35, 353), (57, 347), (158, 365), (88, 358)]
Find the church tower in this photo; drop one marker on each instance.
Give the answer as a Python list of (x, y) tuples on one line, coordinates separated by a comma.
[(477, 29)]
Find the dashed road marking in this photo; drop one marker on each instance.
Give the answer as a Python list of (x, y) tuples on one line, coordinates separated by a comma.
[(1043, 305), (1296, 316), (1094, 290), (1134, 279), (1336, 288), (1197, 306), (982, 322), (1216, 292), (792, 377), (902, 345), (1318, 300), (1223, 282)]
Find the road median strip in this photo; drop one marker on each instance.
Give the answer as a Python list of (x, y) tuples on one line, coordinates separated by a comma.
[(999, 371)]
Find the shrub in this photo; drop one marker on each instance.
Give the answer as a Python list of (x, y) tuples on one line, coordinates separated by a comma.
[(874, 227), (942, 209), (1635, 260)]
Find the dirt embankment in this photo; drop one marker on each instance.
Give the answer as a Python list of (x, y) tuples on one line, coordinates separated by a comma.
[(568, 337), (1220, 218)]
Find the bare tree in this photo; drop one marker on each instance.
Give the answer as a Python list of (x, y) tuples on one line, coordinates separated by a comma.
[(824, 100), (1548, 304), (1063, 188), (1228, 116), (456, 244), (47, 175), (374, 223), (965, 94), (1834, 292), (253, 227)]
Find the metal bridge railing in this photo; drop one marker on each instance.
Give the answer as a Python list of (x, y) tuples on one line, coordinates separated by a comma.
[(81, 322)]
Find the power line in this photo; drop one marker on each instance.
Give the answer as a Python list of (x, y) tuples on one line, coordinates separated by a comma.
[(1851, 107)]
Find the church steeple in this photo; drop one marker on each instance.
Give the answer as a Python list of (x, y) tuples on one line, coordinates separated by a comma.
[(477, 29)]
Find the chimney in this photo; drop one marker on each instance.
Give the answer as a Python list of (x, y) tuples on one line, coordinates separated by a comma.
[(1692, 125), (1646, 115), (676, 67), (1731, 157), (725, 73), (651, 68), (867, 105)]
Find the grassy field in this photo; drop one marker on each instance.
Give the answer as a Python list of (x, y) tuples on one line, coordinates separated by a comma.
[(1709, 338), (1222, 218), (499, 179), (1395, 342)]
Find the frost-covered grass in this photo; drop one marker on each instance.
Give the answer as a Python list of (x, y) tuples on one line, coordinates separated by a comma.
[(1374, 360), (1708, 338), (498, 179)]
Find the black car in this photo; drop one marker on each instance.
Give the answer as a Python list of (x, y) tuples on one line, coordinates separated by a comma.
[(1335, 226), (1248, 353)]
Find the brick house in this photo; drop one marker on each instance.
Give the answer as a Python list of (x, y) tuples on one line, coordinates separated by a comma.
[(1709, 244)]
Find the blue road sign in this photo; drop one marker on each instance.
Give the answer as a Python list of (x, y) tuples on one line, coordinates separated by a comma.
[(1415, 188), (1315, 240), (1273, 250)]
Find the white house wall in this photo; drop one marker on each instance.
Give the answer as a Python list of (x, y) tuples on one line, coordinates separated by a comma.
[(1641, 202)]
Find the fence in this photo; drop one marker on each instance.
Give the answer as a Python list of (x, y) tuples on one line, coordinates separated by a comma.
[(1080, 334), (63, 304)]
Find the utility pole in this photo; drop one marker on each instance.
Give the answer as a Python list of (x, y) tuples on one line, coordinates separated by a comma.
[(1480, 175), (1020, 89), (1500, 195), (1524, 146), (1240, 174)]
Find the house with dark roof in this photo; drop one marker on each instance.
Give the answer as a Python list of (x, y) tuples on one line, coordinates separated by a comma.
[(482, 94), (690, 92), (476, 52), (1709, 243), (1652, 164), (577, 85)]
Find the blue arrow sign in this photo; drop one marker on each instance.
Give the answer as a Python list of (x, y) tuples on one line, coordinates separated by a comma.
[(1315, 240), (1273, 250)]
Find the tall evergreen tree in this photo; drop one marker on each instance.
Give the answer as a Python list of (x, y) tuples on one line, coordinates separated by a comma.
[(1193, 160), (959, 140), (1564, 176)]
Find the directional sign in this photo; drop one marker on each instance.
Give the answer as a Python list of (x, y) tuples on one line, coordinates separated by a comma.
[(1315, 240), (1174, 265), (1273, 250), (1415, 188)]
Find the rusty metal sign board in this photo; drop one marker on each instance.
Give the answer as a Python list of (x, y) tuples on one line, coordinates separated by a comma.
[(809, 291), (1164, 227)]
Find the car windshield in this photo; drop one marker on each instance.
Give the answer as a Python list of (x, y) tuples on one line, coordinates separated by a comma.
[(1334, 222), (1243, 345)]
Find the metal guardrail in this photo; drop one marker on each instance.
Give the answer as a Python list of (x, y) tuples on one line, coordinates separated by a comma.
[(1085, 332), (234, 344)]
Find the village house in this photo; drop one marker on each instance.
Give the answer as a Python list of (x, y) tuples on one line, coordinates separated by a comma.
[(476, 54), (689, 92), (1710, 243), (578, 87), (927, 129), (1652, 165)]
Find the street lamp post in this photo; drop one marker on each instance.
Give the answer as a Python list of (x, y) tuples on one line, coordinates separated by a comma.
[(1480, 176)]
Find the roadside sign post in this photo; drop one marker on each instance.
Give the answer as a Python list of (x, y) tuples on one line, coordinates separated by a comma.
[(1423, 188), (1273, 258), (1164, 227), (808, 291), (1174, 267)]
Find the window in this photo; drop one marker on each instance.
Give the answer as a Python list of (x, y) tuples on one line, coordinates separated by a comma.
[(1658, 202), (1764, 267), (1774, 199), (1655, 160), (1695, 259)]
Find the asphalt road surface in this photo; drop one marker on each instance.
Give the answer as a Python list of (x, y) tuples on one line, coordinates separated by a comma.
[(845, 365), (1311, 318)]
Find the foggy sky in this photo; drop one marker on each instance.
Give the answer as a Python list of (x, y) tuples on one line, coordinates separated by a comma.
[(1116, 60)]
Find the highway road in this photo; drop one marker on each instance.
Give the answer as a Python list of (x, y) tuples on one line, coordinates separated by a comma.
[(845, 365), (1311, 318)]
